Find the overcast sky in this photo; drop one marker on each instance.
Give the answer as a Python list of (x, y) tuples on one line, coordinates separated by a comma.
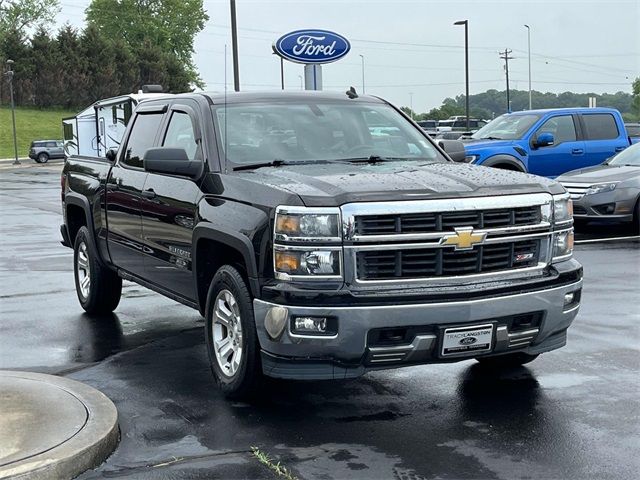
[(413, 51)]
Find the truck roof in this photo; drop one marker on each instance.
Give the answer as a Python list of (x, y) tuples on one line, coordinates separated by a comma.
[(543, 111), (284, 96)]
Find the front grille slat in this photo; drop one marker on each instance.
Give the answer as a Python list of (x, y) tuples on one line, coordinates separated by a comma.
[(439, 262), (399, 224)]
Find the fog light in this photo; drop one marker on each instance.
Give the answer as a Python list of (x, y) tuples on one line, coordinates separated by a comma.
[(314, 326), (568, 298), (275, 321)]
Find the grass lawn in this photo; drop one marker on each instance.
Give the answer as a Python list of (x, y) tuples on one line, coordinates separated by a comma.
[(31, 124)]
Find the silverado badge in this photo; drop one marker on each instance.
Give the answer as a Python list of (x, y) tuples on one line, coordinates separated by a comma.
[(463, 239)]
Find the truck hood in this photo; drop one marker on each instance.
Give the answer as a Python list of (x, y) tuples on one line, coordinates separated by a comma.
[(334, 184), (600, 174)]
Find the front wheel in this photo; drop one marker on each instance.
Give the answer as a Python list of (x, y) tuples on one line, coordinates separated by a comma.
[(510, 360), (98, 288), (231, 338)]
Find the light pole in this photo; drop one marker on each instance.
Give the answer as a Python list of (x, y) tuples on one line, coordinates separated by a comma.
[(411, 104), (301, 83), (529, 45), (234, 41), (362, 57), (466, 66), (9, 75)]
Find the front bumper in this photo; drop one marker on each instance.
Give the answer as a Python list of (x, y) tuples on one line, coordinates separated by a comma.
[(593, 207), (352, 352)]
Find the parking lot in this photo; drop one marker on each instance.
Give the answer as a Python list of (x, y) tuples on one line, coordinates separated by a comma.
[(571, 414)]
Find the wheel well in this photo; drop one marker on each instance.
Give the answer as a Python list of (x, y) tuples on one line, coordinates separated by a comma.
[(506, 166), (210, 256), (75, 219)]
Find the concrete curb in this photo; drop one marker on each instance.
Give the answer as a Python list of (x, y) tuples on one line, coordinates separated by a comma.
[(88, 431)]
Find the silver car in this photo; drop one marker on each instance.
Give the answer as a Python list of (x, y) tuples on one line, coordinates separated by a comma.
[(610, 191)]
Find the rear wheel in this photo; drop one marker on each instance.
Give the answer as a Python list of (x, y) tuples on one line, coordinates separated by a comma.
[(42, 158), (98, 288), (510, 360), (231, 338)]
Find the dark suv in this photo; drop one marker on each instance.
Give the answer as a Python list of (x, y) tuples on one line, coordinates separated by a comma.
[(42, 150)]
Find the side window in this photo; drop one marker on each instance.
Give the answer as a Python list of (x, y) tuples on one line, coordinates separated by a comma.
[(50, 144), (600, 126), (562, 128), (180, 134), (141, 138)]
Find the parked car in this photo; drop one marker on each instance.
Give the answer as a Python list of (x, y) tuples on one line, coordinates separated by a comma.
[(549, 142), (610, 191), (459, 124), (325, 252), (42, 150), (633, 130), (429, 126)]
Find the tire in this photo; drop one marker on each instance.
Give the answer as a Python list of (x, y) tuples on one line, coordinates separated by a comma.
[(231, 338), (636, 217), (510, 360), (101, 292), (42, 158)]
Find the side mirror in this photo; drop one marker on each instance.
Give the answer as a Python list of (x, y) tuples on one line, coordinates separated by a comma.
[(545, 139), (111, 155), (171, 161), (453, 148)]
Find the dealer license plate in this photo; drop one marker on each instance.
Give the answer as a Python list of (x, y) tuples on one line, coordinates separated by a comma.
[(467, 340)]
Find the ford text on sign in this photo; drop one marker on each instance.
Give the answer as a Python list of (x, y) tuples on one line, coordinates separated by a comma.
[(312, 46)]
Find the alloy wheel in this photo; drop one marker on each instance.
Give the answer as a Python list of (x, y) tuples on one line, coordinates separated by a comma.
[(227, 333)]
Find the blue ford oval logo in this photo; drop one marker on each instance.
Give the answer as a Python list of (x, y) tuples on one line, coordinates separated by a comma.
[(312, 46), (468, 341)]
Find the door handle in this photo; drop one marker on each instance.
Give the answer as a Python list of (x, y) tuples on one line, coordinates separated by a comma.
[(577, 151), (149, 193)]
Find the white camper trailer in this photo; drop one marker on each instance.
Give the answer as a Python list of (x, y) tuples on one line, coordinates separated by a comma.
[(100, 127)]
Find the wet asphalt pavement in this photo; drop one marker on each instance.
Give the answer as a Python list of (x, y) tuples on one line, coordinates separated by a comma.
[(572, 414)]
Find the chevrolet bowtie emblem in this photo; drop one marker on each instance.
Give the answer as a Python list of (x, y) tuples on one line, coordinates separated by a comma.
[(463, 239)]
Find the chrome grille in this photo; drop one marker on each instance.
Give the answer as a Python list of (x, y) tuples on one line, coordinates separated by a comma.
[(446, 221), (576, 190), (443, 262)]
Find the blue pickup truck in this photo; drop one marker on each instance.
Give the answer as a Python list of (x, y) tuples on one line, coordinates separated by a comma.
[(549, 142)]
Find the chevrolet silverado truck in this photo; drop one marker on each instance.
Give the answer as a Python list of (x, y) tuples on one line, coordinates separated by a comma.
[(549, 142), (321, 236)]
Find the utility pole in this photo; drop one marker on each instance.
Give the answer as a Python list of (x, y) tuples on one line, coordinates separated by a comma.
[(9, 75), (362, 57), (411, 104), (234, 41), (282, 72), (466, 67), (529, 45), (505, 56)]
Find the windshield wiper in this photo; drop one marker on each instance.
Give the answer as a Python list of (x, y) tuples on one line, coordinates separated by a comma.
[(273, 163), (375, 159)]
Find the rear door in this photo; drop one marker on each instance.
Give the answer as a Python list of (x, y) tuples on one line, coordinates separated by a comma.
[(602, 139), (124, 187), (169, 208), (567, 152)]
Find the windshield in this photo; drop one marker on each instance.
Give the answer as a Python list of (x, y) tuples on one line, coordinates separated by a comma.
[(629, 156), (308, 130), (507, 127)]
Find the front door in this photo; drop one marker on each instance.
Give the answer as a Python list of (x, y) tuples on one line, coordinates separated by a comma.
[(567, 152), (124, 187), (169, 209)]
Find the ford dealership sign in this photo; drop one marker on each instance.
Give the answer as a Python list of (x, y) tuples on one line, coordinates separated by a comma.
[(312, 46)]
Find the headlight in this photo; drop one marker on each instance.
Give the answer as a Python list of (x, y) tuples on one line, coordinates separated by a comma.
[(306, 262), (562, 209), (307, 224), (471, 158), (563, 245), (600, 188)]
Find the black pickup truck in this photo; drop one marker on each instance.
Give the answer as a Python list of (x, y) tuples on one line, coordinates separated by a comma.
[(321, 236)]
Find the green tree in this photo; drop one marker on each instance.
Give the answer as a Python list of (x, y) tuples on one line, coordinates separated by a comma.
[(170, 25), (102, 81), (46, 66), (73, 68), (635, 105), (18, 15)]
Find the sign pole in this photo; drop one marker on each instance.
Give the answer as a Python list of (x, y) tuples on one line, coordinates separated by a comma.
[(313, 77)]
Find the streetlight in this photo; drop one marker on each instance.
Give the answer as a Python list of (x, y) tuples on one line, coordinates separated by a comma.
[(9, 75), (411, 104), (362, 57), (529, 45), (301, 84), (466, 65)]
